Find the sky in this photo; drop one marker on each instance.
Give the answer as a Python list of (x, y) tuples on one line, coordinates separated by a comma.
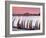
[(22, 10)]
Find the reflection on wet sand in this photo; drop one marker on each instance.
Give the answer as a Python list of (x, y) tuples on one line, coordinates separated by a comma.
[(25, 23)]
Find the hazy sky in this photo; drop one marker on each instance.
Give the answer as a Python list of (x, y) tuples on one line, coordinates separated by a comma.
[(22, 10)]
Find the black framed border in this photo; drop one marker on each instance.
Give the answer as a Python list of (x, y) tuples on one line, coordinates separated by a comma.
[(7, 17)]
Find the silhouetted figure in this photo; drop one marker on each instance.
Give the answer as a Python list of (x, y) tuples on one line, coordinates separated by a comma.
[(36, 26), (13, 23), (18, 25), (39, 26), (26, 25), (23, 24), (30, 25)]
